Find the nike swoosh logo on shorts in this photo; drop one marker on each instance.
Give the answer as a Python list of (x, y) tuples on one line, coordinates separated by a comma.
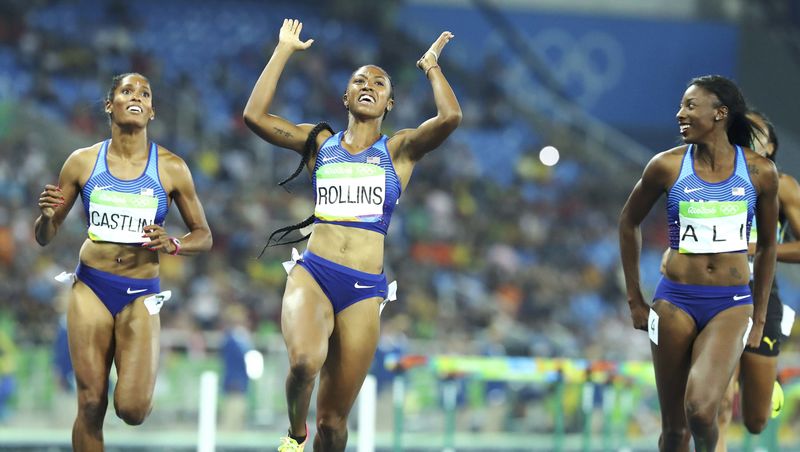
[(130, 292), (359, 286), (690, 190), (739, 297)]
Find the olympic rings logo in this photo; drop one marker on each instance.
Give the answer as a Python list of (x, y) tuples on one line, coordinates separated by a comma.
[(728, 209), (586, 66)]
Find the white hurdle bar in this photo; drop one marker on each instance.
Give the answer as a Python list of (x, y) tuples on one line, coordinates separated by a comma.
[(207, 412)]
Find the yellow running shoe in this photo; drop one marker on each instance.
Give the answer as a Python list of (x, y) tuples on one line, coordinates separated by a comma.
[(290, 445), (777, 399)]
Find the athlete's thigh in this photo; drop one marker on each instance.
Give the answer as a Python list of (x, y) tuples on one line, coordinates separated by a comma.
[(757, 378), (716, 352), (351, 350), (90, 333), (136, 356), (671, 360), (306, 317)]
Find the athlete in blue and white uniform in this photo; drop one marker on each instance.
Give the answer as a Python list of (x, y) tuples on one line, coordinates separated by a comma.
[(330, 314), (355, 191), (704, 311), (127, 184), (758, 366)]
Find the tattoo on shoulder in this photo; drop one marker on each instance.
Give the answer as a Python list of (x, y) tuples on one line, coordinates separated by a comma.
[(735, 272), (753, 169), (282, 132)]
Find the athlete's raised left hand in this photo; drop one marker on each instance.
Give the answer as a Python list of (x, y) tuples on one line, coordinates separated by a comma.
[(430, 58)]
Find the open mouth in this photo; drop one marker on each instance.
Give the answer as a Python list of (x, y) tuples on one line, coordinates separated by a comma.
[(684, 128), (366, 99), (135, 109)]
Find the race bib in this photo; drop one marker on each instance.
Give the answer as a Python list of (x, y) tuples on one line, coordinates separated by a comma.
[(712, 227), (120, 217), (350, 192)]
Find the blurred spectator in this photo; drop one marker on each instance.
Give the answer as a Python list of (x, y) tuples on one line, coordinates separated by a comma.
[(64, 373), (236, 342)]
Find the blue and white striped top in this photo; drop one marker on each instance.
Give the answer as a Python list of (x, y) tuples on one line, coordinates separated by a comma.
[(689, 187), (148, 181), (349, 198)]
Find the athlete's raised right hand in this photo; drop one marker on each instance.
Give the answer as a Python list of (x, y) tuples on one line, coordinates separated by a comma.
[(290, 35), (50, 198)]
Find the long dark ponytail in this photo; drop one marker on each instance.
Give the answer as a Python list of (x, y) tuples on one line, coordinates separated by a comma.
[(740, 129), (309, 149)]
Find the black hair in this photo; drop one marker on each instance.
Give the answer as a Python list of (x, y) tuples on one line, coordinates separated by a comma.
[(741, 130), (771, 136), (309, 148)]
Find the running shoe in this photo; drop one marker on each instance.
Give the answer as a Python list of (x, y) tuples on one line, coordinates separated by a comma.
[(777, 399), (290, 445)]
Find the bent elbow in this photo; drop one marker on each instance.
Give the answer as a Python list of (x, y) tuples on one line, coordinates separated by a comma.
[(452, 120), (249, 118), (208, 242)]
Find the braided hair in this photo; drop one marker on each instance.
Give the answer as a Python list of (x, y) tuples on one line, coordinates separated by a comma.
[(309, 148)]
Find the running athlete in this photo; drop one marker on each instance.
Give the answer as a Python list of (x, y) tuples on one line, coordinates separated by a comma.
[(704, 311), (330, 312), (126, 184), (758, 366)]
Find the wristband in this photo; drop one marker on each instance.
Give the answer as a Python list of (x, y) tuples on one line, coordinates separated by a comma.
[(177, 242), (429, 69)]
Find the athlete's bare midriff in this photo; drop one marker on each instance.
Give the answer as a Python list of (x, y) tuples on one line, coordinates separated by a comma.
[(722, 269), (355, 248), (131, 261)]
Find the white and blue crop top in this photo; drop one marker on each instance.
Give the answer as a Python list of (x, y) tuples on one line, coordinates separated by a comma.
[(355, 190), (117, 210), (711, 217)]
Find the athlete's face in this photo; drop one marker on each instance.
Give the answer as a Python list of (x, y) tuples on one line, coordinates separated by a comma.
[(369, 92), (700, 113), (132, 103), (762, 143)]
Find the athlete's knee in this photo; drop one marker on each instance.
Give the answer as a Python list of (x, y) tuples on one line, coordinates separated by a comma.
[(133, 412), (305, 368), (92, 407), (755, 423), (701, 415), (332, 428), (674, 438)]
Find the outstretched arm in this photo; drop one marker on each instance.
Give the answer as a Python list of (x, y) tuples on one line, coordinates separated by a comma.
[(270, 127), (415, 143)]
